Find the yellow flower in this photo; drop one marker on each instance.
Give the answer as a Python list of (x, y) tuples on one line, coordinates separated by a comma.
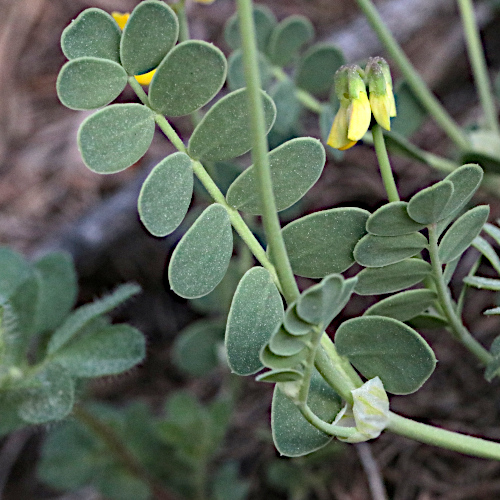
[(121, 20), (381, 95), (350, 123)]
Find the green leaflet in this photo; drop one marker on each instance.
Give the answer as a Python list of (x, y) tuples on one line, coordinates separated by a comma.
[(189, 77), (151, 31), (462, 233), (94, 33), (387, 348), (293, 435), (256, 312), (295, 167), (322, 243), (224, 131), (89, 82), (392, 219), (201, 258), (428, 206), (236, 72), (166, 194), (114, 138), (379, 251)]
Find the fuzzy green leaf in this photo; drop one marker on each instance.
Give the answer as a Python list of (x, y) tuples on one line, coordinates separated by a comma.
[(256, 312), (114, 138), (151, 31), (483, 283), (380, 251), (295, 167), (14, 271), (224, 132), (488, 251), (87, 313), (190, 76), (89, 82), (275, 376), (236, 71), (294, 324), (166, 194), (94, 33), (317, 68), (392, 278), (283, 343), (403, 306), (392, 219), (386, 348), (288, 37), (288, 107), (428, 205), (107, 351), (462, 233), (201, 258), (293, 435), (322, 243)]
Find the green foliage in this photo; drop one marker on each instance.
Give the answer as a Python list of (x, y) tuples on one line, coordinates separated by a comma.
[(201, 258), (223, 133), (317, 68), (114, 138), (411, 114), (89, 82), (189, 76), (295, 167), (392, 219), (288, 37), (236, 74), (429, 205), (166, 194), (293, 436), (150, 33), (380, 251), (94, 33), (288, 107), (256, 312), (322, 243), (386, 348)]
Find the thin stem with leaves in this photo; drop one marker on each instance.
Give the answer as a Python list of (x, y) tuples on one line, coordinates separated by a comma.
[(384, 163)]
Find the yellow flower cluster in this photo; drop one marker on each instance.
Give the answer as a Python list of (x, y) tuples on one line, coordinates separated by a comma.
[(354, 115)]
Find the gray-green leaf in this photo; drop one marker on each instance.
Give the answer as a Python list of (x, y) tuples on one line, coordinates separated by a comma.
[(166, 194), (403, 306), (89, 82), (256, 312), (224, 131), (188, 77), (295, 166), (114, 138), (151, 31), (428, 206), (386, 348), (201, 258), (322, 243), (379, 251), (392, 219), (94, 33), (392, 278), (462, 233)]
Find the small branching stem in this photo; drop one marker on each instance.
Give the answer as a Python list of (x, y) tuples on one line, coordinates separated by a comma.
[(478, 63), (457, 327), (121, 452), (384, 163)]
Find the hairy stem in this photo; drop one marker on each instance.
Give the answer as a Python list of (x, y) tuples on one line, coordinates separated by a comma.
[(419, 87), (384, 163), (458, 329), (445, 439), (120, 451), (260, 153), (478, 63)]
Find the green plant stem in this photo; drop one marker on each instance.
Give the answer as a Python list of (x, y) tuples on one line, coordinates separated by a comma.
[(180, 10), (120, 451), (458, 329), (419, 87), (330, 429), (478, 63), (143, 97), (445, 439), (260, 153), (236, 220), (465, 287), (384, 163), (308, 100)]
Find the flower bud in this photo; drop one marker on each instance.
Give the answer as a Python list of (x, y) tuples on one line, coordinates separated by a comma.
[(382, 101), (369, 413), (353, 117)]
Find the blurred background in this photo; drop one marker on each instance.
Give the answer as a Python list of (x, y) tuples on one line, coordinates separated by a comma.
[(50, 200)]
